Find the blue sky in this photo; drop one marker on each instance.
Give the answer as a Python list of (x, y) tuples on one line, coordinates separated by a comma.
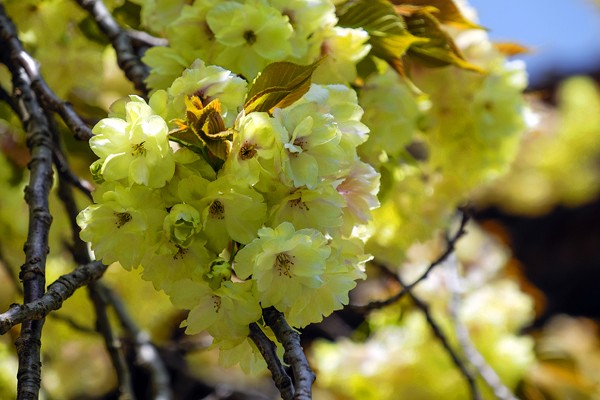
[(564, 35)]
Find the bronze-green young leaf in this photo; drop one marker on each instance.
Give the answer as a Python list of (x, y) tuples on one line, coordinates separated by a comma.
[(185, 136), (204, 127), (279, 85), (447, 11), (388, 36), (439, 49)]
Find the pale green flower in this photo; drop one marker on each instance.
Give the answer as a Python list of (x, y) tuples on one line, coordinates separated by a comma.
[(286, 264), (311, 148), (307, 18), (319, 208), (392, 112), (135, 147), (157, 15), (180, 225), (190, 32), (124, 225), (230, 210), (224, 313), (250, 36), (342, 103), (345, 265), (254, 152), (359, 190), (171, 263), (344, 48), (240, 350), (166, 64), (209, 82)]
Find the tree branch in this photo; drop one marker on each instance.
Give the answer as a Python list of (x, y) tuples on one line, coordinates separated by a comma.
[(43, 92), (451, 243), (294, 354), (142, 39), (128, 60), (112, 343), (471, 353), (269, 352), (146, 354), (36, 195), (57, 293), (66, 174), (439, 333)]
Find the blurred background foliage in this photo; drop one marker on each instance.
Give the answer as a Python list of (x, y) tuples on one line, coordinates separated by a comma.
[(530, 264)]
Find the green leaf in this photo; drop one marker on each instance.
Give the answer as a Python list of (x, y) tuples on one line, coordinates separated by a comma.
[(279, 85), (446, 12), (388, 36), (439, 49)]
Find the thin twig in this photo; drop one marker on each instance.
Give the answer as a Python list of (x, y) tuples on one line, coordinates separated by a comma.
[(50, 100), (146, 354), (293, 355), (112, 342), (470, 351), (73, 324), (269, 352), (142, 39), (65, 172), (439, 333), (128, 60), (451, 243), (46, 96)]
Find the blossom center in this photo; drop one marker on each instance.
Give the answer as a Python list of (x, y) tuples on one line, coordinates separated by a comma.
[(283, 264), (299, 204), (181, 252), (216, 303), (216, 210), (247, 151), (122, 218), (138, 149), (250, 37)]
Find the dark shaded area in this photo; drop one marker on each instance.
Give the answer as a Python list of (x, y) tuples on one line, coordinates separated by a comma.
[(549, 82), (560, 254)]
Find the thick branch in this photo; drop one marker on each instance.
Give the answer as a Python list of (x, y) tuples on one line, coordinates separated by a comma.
[(57, 293), (36, 195), (294, 354), (269, 352), (127, 58)]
